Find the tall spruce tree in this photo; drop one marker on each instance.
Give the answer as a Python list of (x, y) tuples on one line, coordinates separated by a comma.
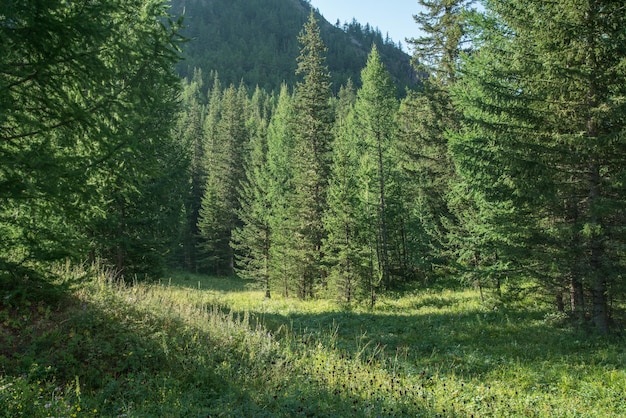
[(281, 193), (313, 121), (542, 152), (375, 112), (220, 203)]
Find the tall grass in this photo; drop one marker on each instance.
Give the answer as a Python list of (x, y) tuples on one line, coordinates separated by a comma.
[(194, 346)]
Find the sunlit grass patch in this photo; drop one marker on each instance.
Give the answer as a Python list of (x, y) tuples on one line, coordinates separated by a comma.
[(197, 346)]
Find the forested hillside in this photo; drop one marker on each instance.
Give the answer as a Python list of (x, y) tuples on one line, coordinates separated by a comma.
[(504, 171), (458, 249), (256, 42)]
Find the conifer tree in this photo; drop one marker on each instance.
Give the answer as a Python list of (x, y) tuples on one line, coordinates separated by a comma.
[(220, 203), (252, 239), (424, 119), (343, 253), (375, 112), (84, 90), (542, 150), (313, 120), (436, 52), (281, 193), (189, 130)]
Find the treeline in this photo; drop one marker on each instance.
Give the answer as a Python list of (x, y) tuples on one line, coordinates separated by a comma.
[(302, 190), (505, 170)]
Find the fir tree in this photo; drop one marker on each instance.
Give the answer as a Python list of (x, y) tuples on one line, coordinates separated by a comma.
[(313, 122), (375, 112), (542, 152)]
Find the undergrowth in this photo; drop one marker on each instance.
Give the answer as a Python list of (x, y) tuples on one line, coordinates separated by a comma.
[(193, 346)]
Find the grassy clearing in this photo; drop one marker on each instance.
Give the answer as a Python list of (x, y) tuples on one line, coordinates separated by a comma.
[(195, 346)]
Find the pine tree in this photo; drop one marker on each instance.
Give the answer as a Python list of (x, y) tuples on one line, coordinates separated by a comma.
[(313, 122)]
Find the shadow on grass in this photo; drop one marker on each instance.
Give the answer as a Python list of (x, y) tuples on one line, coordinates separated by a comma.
[(188, 280), (128, 360), (471, 344)]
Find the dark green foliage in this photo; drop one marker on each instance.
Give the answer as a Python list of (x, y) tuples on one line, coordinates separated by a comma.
[(257, 42), (280, 160), (189, 129), (423, 156), (542, 151), (443, 23), (226, 138), (312, 124), (87, 90), (252, 239)]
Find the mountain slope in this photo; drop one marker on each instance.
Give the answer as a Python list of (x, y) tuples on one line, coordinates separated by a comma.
[(256, 41)]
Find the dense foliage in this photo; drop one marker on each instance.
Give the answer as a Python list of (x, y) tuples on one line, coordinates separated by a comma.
[(87, 100), (504, 170), (466, 242), (474, 175)]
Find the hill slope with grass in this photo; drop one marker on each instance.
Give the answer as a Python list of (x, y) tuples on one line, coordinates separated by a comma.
[(198, 346)]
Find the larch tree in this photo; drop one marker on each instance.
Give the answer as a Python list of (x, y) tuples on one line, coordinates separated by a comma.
[(85, 88), (343, 255)]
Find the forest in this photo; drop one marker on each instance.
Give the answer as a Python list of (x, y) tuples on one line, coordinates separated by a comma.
[(504, 169), (488, 181)]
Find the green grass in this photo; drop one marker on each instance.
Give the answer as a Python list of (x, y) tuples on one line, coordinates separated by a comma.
[(193, 346)]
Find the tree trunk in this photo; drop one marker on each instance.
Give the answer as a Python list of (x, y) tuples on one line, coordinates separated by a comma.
[(384, 256), (576, 297), (560, 305), (600, 310)]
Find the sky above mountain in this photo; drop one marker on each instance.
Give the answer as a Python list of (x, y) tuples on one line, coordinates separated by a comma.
[(394, 17)]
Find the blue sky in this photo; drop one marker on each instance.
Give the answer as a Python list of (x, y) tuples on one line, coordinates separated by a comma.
[(390, 16)]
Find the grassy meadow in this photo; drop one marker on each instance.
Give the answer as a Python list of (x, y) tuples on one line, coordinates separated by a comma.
[(195, 346)]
